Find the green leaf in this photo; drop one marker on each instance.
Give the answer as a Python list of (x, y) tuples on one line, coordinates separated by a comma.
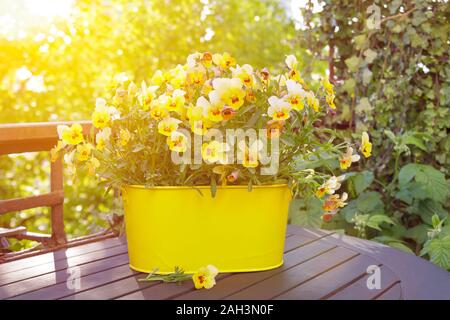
[(306, 213), (438, 250), (364, 106), (375, 221), (370, 55), (370, 202), (414, 139), (361, 181), (407, 173), (349, 85), (366, 203), (417, 233), (393, 242), (401, 246), (435, 183), (380, 218), (353, 63), (366, 76), (360, 41), (428, 208), (431, 181), (435, 220), (213, 187)]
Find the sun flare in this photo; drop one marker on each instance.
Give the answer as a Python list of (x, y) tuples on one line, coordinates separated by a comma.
[(17, 17)]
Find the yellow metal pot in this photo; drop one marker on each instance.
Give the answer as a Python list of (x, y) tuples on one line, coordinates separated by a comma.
[(235, 231)]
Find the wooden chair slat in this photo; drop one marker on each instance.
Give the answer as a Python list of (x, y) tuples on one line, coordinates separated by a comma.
[(4, 232)]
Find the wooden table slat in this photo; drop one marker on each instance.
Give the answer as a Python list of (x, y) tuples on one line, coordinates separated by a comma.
[(331, 280), (61, 276), (393, 293), (62, 254), (360, 291), (20, 275), (61, 290)]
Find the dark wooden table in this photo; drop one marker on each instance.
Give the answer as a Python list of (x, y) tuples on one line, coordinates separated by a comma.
[(317, 265)]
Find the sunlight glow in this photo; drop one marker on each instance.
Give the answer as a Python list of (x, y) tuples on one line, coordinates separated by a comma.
[(18, 17), (49, 8)]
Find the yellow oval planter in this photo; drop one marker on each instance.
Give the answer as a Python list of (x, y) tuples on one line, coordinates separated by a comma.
[(235, 231)]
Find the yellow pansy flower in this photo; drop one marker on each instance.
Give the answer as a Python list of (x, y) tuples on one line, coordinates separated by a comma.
[(330, 101), (228, 113), (330, 186), (146, 96), (159, 78), (279, 109), (200, 127), (124, 137), (158, 111), (194, 113), (101, 115), (211, 110), (250, 156), (250, 96), (163, 101), (68, 160), (196, 75), (295, 95), (207, 87), (71, 135), (177, 77), (132, 89), (54, 152), (327, 86), (176, 101), (274, 128), (83, 151), (233, 176), (334, 202), (230, 91), (206, 59), (100, 119), (224, 60), (177, 142), (215, 151), (291, 62), (312, 101), (332, 205), (264, 76), (347, 158), (102, 137), (250, 159), (294, 75), (366, 145), (193, 59), (245, 73), (205, 277), (167, 126), (92, 165)]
